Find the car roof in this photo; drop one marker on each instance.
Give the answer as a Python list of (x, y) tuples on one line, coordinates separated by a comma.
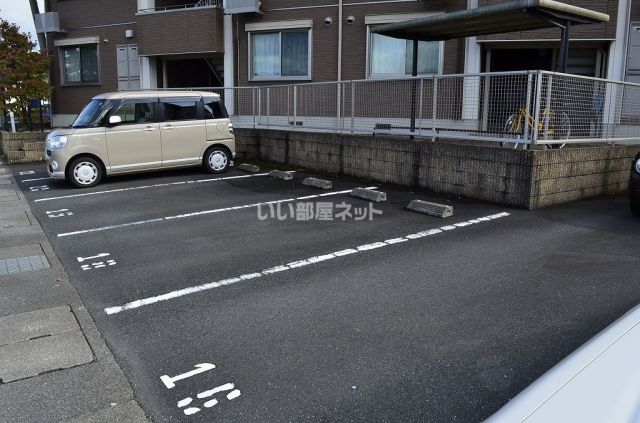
[(154, 94)]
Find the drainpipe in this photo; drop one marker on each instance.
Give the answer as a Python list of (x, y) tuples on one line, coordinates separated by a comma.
[(616, 67), (471, 85), (618, 50), (228, 61), (339, 78), (34, 11)]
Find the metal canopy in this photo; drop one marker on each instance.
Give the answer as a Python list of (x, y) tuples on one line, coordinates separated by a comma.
[(517, 15)]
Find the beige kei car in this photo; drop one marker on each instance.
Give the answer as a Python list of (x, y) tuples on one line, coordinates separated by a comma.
[(127, 132)]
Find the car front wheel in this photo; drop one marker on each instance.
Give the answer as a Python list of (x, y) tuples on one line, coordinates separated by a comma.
[(217, 160), (84, 172)]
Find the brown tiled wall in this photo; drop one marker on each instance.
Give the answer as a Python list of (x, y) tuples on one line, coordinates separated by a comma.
[(76, 14), (325, 38), (190, 30), (201, 30)]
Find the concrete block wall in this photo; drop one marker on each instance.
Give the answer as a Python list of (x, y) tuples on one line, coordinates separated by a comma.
[(570, 174), (23, 147), (521, 178)]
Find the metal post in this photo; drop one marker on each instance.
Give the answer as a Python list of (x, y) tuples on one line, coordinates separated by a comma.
[(527, 105), (259, 105), (536, 116), (288, 104), (547, 106), (485, 103), (420, 106), (295, 106), (13, 121), (414, 88), (435, 107), (342, 108), (338, 103), (353, 105), (268, 106), (564, 47)]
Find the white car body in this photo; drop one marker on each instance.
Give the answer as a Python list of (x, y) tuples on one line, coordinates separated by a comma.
[(599, 382)]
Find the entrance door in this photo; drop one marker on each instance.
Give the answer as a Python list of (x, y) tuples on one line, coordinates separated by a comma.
[(134, 144), (518, 59)]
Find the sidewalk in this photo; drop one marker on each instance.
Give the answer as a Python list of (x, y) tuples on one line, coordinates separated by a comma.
[(54, 365)]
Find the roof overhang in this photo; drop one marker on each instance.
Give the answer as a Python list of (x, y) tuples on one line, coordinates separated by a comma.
[(517, 15)]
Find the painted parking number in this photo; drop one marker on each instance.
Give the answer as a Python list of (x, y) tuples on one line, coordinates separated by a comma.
[(59, 213), (184, 404), (39, 188), (96, 264)]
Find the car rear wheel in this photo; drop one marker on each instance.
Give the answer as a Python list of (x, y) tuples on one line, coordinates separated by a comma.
[(217, 159), (84, 172)]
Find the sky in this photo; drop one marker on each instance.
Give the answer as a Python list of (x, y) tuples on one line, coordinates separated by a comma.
[(19, 12)]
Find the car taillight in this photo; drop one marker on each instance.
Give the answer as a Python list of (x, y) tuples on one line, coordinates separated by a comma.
[(230, 125)]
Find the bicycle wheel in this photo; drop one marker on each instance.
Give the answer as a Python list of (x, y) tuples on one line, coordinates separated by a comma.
[(561, 129), (514, 131)]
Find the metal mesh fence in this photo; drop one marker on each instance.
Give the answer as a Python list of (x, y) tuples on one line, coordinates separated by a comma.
[(513, 108)]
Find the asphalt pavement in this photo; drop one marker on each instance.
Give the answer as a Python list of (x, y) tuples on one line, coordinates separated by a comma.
[(218, 311)]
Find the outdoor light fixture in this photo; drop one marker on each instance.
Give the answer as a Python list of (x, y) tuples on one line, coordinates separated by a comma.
[(328, 21), (351, 19)]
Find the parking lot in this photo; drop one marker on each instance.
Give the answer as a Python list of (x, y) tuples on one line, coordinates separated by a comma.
[(224, 298)]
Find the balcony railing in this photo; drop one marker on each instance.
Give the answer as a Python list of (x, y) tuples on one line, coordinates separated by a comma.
[(201, 3)]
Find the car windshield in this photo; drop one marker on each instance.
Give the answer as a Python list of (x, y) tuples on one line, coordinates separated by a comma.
[(92, 114)]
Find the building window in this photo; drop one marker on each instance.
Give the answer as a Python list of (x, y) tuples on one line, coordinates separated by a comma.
[(392, 57), (80, 64), (280, 55)]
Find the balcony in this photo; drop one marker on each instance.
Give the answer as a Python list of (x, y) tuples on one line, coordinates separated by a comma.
[(179, 28), (169, 5)]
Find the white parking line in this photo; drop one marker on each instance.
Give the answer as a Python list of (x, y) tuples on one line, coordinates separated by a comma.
[(85, 194), (36, 179), (293, 265), (202, 212)]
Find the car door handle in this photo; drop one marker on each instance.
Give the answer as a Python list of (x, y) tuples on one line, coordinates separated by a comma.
[(167, 127), (149, 128)]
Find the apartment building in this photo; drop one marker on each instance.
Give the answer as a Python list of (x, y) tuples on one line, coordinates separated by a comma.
[(100, 46)]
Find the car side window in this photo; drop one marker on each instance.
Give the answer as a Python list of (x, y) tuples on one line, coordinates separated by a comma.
[(213, 109), (135, 111), (180, 109)]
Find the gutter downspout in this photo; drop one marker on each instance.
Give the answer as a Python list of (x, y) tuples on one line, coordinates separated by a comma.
[(42, 43), (229, 71), (339, 78), (471, 85), (616, 67)]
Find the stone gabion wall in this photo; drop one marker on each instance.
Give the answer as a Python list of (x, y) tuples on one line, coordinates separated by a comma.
[(521, 178), (23, 147)]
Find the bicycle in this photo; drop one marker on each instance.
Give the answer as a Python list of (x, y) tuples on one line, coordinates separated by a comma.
[(558, 127)]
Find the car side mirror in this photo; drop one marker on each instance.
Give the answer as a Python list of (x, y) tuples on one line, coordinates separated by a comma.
[(114, 120)]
